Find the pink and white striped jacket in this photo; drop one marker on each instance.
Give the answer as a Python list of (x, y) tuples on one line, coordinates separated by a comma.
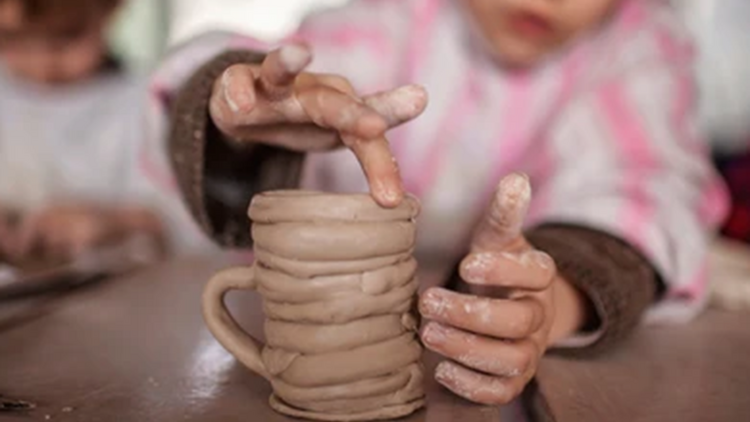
[(606, 129)]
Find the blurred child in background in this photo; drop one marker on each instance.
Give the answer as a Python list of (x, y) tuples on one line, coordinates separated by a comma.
[(592, 99), (81, 162)]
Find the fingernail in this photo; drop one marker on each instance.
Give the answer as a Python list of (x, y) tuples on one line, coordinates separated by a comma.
[(390, 196), (515, 183), (408, 101), (433, 304), (542, 260), (476, 267), (226, 82), (294, 58), (434, 334), (445, 372), (516, 189)]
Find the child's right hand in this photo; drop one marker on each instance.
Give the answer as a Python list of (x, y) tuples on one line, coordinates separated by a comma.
[(278, 104)]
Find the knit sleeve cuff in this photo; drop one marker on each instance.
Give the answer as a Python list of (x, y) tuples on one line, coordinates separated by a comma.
[(218, 176), (619, 283)]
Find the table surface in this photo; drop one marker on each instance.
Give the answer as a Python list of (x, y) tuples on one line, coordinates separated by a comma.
[(136, 349), (692, 373)]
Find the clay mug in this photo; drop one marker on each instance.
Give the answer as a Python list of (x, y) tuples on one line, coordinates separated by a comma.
[(338, 283)]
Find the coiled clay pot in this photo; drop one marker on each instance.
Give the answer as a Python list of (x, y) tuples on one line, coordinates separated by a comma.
[(338, 282)]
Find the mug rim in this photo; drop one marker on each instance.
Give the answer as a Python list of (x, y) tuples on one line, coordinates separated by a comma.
[(294, 205)]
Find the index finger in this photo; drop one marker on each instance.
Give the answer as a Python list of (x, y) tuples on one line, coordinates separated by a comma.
[(530, 269), (281, 67), (380, 167), (498, 318)]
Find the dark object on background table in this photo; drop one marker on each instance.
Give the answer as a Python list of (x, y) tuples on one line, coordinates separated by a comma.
[(8, 405), (51, 281), (35, 280), (736, 173)]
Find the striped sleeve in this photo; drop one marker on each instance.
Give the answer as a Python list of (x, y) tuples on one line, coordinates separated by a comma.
[(628, 160)]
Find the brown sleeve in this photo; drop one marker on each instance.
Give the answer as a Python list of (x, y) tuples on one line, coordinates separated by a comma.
[(619, 282), (218, 176)]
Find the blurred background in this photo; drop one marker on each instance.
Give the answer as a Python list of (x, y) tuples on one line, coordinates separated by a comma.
[(146, 28)]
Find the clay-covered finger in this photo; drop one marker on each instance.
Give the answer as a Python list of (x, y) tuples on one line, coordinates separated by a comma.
[(233, 100), (380, 167), (337, 82), (476, 387), (529, 269), (400, 105), (504, 220), (281, 67), (396, 106), (341, 112), (488, 355), (300, 137), (499, 318), (237, 88)]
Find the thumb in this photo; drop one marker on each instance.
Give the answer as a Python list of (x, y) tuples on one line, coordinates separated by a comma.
[(502, 224)]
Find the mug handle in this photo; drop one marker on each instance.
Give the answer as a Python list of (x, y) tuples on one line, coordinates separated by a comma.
[(221, 323)]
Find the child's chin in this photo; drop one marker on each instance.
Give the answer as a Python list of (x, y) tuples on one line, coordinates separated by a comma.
[(516, 56)]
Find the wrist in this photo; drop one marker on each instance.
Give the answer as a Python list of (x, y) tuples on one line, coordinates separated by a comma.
[(574, 312)]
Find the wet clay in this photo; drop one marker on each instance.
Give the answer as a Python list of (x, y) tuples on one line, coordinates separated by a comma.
[(338, 282)]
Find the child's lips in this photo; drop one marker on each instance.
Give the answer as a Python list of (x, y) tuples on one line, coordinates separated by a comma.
[(530, 24)]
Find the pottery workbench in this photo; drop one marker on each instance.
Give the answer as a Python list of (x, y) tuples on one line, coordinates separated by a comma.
[(136, 349)]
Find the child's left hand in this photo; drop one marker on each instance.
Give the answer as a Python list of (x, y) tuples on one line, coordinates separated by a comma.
[(495, 341)]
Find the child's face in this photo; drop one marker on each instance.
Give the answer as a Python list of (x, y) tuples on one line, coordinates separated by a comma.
[(523, 31), (54, 52)]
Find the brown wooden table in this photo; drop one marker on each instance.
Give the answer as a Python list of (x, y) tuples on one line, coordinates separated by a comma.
[(136, 349), (694, 373)]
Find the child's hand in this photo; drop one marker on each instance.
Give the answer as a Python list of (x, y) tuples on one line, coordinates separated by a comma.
[(65, 232), (496, 337), (277, 104)]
